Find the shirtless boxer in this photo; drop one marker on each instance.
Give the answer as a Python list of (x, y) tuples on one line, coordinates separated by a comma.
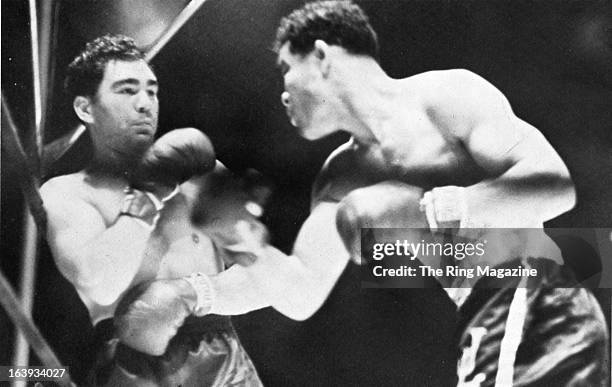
[(124, 221), (451, 133), (435, 130)]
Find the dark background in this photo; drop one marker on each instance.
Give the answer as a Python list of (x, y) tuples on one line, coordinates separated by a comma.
[(552, 59)]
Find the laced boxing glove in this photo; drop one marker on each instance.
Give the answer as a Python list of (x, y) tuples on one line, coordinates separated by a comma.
[(384, 205), (174, 158), (150, 314)]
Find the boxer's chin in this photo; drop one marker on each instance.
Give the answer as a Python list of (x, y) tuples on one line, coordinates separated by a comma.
[(308, 133), (138, 144), (315, 132)]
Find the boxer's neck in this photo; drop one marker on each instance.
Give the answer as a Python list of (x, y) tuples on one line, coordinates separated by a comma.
[(113, 163), (369, 97)]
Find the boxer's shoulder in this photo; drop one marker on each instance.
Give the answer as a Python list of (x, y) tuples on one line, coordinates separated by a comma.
[(70, 186), (449, 78), (455, 100), (65, 194), (440, 89)]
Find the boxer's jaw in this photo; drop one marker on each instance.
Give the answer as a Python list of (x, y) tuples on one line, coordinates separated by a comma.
[(122, 116), (305, 94)]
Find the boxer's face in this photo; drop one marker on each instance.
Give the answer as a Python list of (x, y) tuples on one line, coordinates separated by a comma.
[(305, 93), (125, 109)]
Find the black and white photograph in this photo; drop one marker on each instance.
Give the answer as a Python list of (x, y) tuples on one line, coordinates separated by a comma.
[(306, 193)]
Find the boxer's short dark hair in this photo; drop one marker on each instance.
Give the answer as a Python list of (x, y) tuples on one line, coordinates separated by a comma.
[(340, 23), (87, 70)]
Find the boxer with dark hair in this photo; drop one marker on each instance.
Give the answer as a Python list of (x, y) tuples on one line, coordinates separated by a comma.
[(476, 164), (121, 232), (451, 133)]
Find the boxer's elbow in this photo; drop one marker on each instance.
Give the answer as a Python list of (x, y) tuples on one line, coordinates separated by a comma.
[(296, 315), (302, 308), (304, 296), (103, 296), (567, 194), (559, 189), (93, 285), (561, 186), (99, 294), (301, 315), (84, 279), (542, 174)]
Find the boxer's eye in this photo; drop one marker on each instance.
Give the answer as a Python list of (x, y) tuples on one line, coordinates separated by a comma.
[(127, 90)]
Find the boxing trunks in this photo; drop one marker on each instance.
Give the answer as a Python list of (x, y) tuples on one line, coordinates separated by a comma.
[(204, 352), (532, 331)]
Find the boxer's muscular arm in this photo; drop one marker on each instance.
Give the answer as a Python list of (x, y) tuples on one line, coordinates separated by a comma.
[(295, 285), (99, 261), (531, 182), (298, 284)]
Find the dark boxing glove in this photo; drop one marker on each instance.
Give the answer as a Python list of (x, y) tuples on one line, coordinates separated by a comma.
[(173, 159), (388, 204), (150, 314)]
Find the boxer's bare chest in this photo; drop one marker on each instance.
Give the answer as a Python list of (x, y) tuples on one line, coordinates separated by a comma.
[(410, 149), (175, 248)]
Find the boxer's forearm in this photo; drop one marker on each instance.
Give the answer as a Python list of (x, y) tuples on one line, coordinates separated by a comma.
[(236, 293), (299, 289), (531, 191), (109, 262), (527, 178), (277, 280), (295, 285)]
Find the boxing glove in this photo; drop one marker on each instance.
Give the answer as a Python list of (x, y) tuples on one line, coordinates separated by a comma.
[(388, 204), (173, 159), (150, 314)]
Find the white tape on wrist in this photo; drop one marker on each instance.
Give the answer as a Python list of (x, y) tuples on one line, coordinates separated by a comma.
[(205, 293), (144, 206), (427, 206), (445, 204), (140, 206)]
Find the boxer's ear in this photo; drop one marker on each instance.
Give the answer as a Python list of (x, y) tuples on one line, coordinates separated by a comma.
[(321, 52), (82, 108)]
